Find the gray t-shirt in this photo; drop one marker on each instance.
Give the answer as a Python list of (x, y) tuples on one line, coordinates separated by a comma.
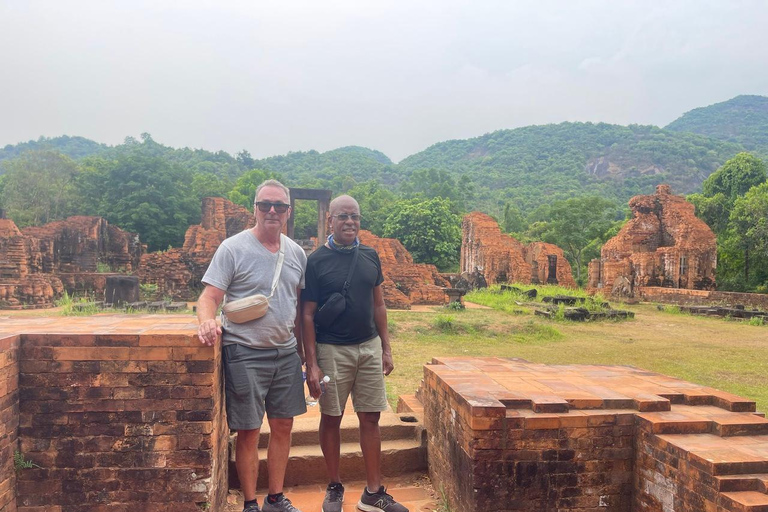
[(241, 267)]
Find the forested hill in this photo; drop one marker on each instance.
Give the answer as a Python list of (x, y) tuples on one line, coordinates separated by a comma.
[(743, 119), (535, 165), (73, 147), (311, 167)]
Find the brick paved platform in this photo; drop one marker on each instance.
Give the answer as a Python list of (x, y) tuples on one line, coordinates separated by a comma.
[(512, 435)]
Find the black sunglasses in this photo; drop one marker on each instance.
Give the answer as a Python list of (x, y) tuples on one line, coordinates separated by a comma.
[(265, 206), (346, 216)]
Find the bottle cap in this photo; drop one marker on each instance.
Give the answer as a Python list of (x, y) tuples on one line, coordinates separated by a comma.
[(326, 379)]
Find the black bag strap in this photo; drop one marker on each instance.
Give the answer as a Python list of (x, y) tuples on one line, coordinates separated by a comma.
[(351, 271)]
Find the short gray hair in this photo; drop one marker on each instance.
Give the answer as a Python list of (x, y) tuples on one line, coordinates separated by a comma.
[(272, 183)]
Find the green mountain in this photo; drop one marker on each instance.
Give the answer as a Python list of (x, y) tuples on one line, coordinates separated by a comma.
[(73, 147), (309, 167), (743, 119), (535, 165)]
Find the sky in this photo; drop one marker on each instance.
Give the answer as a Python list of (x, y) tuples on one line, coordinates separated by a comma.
[(396, 76)]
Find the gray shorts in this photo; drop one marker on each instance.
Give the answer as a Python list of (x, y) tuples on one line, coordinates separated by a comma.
[(259, 380), (353, 369)]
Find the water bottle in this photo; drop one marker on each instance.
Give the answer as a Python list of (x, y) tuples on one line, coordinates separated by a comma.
[(312, 401)]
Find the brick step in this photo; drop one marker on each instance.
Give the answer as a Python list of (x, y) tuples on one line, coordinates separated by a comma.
[(306, 464), (412, 490), (735, 483), (744, 501), (409, 404), (305, 429)]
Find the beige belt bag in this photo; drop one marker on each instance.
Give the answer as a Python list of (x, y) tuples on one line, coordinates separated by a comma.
[(254, 306)]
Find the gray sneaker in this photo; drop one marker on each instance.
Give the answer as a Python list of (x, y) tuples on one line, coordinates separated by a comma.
[(284, 505), (379, 501), (252, 508), (334, 497)]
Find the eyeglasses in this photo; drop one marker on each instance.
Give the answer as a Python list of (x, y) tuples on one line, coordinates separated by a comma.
[(265, 206), (346, 216)]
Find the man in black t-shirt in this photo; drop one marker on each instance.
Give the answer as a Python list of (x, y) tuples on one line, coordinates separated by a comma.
[(354, 352)]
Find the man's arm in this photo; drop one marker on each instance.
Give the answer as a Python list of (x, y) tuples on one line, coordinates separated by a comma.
[(297, 330), (380, 319), (310, 354), (207, 305)]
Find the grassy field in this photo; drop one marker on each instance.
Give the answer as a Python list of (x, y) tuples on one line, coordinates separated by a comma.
[(725, 354)]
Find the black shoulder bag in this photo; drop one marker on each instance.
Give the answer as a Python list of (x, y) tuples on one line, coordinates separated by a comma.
[(337, 302)]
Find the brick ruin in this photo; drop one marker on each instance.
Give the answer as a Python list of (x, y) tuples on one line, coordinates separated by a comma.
[(177, 272), (405, 283), (38, 263), (509, 435), (115, 413), (663, 245), (503, 259)]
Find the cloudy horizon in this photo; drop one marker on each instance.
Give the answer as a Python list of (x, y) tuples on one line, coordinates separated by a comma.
[(397, 77)]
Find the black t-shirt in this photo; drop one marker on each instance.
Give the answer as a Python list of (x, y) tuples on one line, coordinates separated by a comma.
[(326, 272)]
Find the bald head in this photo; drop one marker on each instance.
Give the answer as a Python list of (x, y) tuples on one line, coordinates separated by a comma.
[(345, 203)]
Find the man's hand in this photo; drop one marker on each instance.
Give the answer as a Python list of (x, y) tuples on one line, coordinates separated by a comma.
[(313, 380), (208, 332), (387, 364)]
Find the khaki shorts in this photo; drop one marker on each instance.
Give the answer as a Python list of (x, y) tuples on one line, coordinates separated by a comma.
[(356, 369)]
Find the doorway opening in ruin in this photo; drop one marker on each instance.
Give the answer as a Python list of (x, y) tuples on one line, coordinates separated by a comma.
[(323, 201), (552, 269)]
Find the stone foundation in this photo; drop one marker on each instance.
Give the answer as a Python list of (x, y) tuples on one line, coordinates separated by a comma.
[(508, 435), (117, 413), (703, 297)]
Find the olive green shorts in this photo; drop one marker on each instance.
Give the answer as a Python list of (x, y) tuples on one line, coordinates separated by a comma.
[(353, 369)]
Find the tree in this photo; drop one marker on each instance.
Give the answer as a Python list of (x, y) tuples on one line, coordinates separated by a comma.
[(244, 191), (749, 222), (735, 177), (376, 202), (574, 223), (141, 193), (513, 219), (714, 210), (38, 187), (428, 229)]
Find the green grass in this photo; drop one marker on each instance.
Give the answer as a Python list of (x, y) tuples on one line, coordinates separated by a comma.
[(508, 300), (732, 356)]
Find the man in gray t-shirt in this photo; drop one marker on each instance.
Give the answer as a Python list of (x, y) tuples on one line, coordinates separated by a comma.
[(262, 357)]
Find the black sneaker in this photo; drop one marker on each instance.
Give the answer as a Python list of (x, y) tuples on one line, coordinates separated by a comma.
[(284, 505), (379, 501), (334, 497)]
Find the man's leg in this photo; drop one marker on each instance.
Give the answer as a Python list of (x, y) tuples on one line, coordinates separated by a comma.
[(330, 444), (247, 461), (278, 451), (370, 444)]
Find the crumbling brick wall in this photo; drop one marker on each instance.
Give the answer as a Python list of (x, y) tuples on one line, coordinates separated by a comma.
[(9, 419), (664, 244), (177, 272), (131, 420), (405, 282), (32, 259), (503, 259)]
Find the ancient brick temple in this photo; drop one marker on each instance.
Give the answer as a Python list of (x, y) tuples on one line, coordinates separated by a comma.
[(509, 435), (664, 244), (38, 263), (177, 272), (405, 283), (503, 259)]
